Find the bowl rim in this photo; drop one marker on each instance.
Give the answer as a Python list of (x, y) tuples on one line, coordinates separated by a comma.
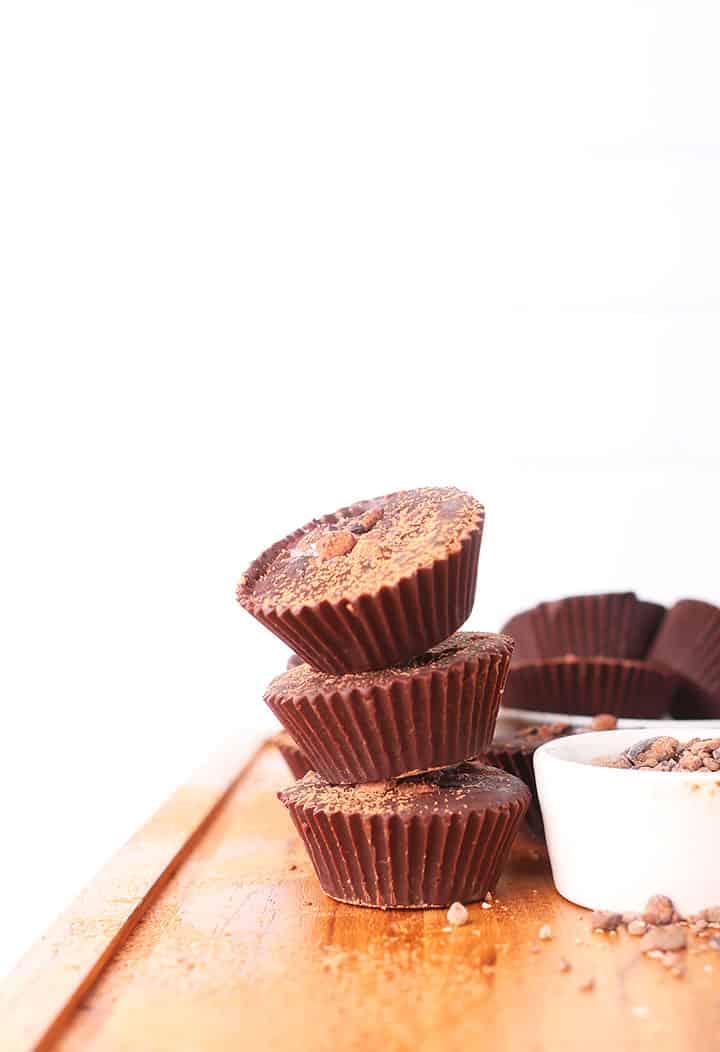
[(584, 742)]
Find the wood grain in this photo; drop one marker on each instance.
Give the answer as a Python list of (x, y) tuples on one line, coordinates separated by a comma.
[(41, 994), (241, 950)]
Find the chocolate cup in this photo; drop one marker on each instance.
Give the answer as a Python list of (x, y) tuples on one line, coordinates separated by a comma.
[(588, 686), (689, 643), (291, 753), (399, 722), (389, 859), (615, 625), (520, 764), (375, 630)]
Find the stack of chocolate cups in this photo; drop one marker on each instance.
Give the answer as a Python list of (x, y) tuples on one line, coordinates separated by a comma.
[(391, 703)]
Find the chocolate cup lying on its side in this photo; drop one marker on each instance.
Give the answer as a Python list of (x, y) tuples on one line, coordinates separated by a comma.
[(588, 686), (616, 624), (428, 841), (689, 643)]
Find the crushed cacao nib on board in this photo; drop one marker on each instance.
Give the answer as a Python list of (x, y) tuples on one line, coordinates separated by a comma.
[(665, 753), (663, 933)]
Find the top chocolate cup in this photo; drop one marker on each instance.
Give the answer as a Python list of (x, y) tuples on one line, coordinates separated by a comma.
[(689, 643), (373, 585), (617, 625)]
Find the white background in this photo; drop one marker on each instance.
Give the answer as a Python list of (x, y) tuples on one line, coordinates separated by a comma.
[(260, 259)]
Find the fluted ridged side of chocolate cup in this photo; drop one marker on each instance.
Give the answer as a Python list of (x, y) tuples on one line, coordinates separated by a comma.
[(520, 764), (292, 754), (689, 643), (522, 630), (588, 686), (392, 861), (615, 625), (414, 719), (382, 629)]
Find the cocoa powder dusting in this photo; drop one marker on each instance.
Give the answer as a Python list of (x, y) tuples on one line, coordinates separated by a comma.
[(460, 648), (381, 541), (451, 790)]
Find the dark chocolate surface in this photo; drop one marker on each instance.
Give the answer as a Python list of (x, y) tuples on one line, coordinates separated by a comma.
[(363, 548), (454, 790), (302, 680)]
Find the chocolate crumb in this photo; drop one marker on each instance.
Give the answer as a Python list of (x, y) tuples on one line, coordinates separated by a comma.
[(457, 915), (587, 986), (545, 933), (366, 521), (603, 722), (565, 965), (331, 545), (612, 761), (659, 910), (670, 937), (605, 920)]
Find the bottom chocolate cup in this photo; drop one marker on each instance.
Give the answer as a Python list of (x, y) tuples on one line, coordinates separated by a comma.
[(420, 842), (292, 754), (587, 686)]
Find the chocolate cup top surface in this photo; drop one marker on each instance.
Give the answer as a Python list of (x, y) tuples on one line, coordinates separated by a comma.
[(303, 681), (454, 790), (413, 529), (406, 583), (615, 624)]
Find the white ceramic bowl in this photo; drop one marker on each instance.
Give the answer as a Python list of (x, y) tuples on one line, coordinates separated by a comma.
[(615, 837)]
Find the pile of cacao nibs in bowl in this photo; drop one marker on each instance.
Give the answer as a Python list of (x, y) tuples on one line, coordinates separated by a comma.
[(665, 753)]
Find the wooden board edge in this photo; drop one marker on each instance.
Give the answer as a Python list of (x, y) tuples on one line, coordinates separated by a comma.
[(39, 996)]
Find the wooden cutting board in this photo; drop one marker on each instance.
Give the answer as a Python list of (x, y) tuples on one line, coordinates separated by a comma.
[(209, 932)]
